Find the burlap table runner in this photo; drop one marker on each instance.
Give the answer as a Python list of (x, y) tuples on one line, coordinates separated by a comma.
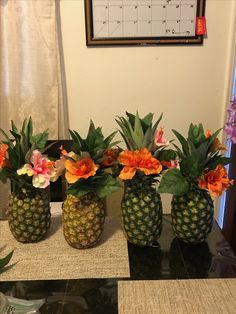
[(177, 296), (53, 258)]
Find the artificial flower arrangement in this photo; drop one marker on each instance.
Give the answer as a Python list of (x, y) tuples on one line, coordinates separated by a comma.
[(142, 163), (201, 175), (230, 125), (30, 172), (89, 172)]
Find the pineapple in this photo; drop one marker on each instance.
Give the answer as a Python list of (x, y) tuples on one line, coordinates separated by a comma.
[(83, 220), (29, 213), (200, 176), (29, 172), (89, 182), (141, 212), (192, 216), (141, 204)]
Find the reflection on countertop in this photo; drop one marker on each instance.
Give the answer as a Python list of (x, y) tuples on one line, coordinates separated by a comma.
[(170, 259)]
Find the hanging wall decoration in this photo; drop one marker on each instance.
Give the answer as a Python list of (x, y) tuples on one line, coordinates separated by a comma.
[(144, 22)]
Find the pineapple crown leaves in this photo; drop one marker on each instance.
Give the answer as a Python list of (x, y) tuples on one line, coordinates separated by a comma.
[(23, 143), (137, 132), (102, 185), (94, 144), (5, 261), (198, 152), (197, 155)]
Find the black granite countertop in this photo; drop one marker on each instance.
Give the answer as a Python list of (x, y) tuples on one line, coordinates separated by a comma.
[(170, 259)]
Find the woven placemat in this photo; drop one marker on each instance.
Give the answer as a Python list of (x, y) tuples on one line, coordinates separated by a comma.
[(177, 296), (53, 258)]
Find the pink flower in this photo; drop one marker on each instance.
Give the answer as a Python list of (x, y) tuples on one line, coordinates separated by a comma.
[(41, 168), (230, 125), (159, 139)]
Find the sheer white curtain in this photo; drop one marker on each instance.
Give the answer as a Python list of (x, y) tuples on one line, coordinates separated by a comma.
[(31, 69)]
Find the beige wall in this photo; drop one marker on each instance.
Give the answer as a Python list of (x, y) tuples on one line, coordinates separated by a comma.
[(188, 83)]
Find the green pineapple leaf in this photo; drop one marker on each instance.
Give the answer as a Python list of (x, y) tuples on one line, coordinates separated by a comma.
[(131, 118), (128, 126), (196, 134), (183, 142), (173, 182), (108, 140), (39, 140), (192, 166), (145, 122), (77, 142), (94, 142), (217, 160), (3, 175), (213, 137), (24, 129), (125, 133), (201, 151), (17, 136), (154, 128), (80, 188), (138, 132), (147, 139), (107, 185), (7, 139), (24, 144), (91, 127), (165, 155), (4, 261), (158, 121), (148, 119), (178, 151), (14, 128)]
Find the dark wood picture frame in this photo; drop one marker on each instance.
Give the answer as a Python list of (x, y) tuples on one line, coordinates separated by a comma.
[(91, 40)]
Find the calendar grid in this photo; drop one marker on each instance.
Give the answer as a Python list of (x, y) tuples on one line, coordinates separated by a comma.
[(144, 18)]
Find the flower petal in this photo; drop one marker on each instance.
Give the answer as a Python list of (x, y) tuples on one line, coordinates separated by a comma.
[(41, 181), (71, 178), (215, 181), (58, 170), (159, 138), (127, 173), (26, 169), (3, 155)]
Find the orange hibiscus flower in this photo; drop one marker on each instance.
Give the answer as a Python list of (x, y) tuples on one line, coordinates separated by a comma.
[(83, 168), (138, 160), (216, 181), (3, 155)]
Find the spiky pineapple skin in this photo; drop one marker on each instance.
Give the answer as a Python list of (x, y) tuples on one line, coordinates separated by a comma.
[(141, 213), (83, 220), (192, 216), (29, 214)]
